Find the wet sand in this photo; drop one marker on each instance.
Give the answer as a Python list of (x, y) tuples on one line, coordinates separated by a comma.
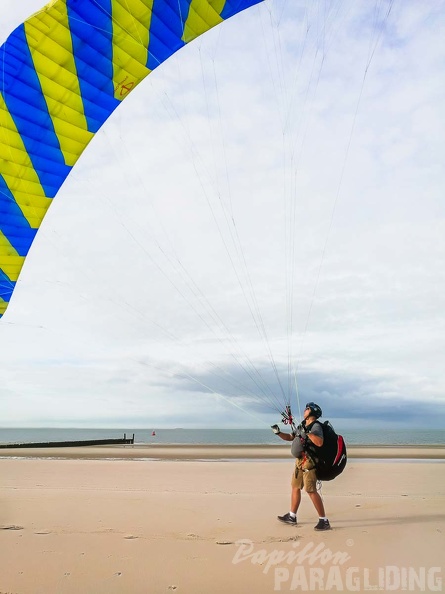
[(214, 452)]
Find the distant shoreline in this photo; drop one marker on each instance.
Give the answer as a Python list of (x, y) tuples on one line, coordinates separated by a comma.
[(218, 452)]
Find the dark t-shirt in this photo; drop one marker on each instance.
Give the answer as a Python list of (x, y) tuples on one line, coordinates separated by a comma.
[(316, 429)]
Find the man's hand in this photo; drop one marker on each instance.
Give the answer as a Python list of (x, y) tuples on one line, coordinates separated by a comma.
[(275, 429)]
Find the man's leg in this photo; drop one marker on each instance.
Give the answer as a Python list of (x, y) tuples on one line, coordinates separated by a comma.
[(323, 522), (318, 503), (295, 499)]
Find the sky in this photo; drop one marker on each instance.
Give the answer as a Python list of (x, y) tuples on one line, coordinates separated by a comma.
[(263, 218)]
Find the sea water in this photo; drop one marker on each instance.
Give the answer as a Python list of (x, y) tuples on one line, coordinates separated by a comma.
[(354, 436)]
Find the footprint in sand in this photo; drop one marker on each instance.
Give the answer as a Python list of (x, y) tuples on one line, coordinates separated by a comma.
[(43, 532), (280, 539)]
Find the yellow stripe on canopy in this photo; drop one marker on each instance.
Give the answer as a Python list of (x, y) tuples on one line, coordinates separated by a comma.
[(3, 306), (50, 43), (18, 172), (131, 31), (10, 262), (203, 15)]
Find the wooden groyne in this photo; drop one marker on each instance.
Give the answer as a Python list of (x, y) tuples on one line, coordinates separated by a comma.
[(71, 444)]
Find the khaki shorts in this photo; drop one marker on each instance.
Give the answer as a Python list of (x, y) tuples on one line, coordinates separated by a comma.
[(304, 477)]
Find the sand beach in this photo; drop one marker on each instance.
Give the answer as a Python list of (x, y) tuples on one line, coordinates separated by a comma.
[(203, 520)]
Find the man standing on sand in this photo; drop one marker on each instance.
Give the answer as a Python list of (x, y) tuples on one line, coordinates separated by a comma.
[(304, 474)]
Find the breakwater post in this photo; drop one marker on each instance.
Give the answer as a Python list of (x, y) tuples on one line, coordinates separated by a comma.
[(71, 444)]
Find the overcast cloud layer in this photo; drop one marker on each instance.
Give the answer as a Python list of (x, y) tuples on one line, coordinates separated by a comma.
[(269, 202)]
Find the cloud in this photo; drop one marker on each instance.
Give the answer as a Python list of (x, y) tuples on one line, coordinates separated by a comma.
[(372, 397), (272, 193)]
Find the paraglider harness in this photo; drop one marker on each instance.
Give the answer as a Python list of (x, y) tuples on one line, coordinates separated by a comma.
[(330, 458)]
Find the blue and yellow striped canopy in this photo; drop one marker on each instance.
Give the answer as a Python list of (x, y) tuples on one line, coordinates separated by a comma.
[(63, 72)]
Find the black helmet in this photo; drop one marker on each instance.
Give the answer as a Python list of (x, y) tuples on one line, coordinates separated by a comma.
[(315, 409)]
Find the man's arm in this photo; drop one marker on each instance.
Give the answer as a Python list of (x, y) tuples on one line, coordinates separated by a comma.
[(316, 440), (284, 436), (316, 435)]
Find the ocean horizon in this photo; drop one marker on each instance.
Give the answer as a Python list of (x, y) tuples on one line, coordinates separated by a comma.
[(183, 436)]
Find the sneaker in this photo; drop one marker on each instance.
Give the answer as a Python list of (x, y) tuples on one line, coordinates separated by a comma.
[(322, 525), (288, 519)]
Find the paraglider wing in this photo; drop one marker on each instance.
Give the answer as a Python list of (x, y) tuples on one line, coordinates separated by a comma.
[(64, 71)]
